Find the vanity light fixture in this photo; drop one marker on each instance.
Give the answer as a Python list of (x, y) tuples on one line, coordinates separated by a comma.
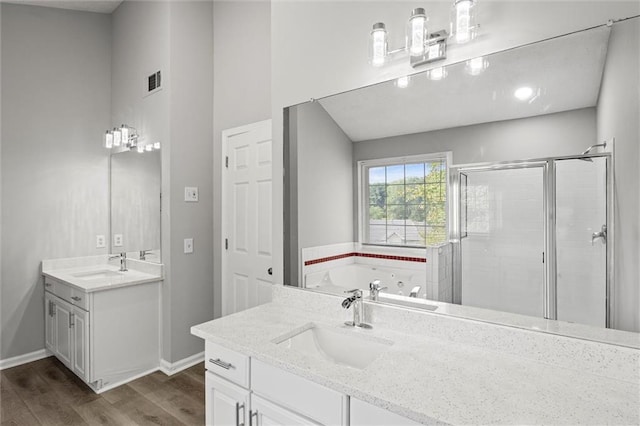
[(477, 65), (117, 136), (108, 139), (124, 135), (422, 46), (156, 145)]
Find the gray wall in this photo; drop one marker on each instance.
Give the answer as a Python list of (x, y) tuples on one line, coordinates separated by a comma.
[(564, 133), (242, 87), (325, 173), (618, 113), (191, 158), (55, 107)]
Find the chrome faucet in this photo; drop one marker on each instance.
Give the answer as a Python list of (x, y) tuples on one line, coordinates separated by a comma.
[(375, 288), (123, 261), (358, 308), (143, 254)]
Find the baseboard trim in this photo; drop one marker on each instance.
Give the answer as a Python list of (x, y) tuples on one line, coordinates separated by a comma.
[(122, 382), (172, 368), (24, 359)]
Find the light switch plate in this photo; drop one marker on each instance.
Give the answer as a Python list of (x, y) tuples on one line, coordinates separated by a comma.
[(117, 240), (188, 245), (191, 194), (100, 241)]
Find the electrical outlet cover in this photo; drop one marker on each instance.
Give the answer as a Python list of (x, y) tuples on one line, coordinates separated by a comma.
[(188, 245), (117, 240), (191, 194), (100, 241)]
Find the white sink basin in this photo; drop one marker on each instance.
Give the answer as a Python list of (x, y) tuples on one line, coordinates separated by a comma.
[(340, 346), (96, 275)]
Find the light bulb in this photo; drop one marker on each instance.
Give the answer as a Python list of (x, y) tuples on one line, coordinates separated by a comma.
[(463, 25), (117, 137), (108, 140), (523, 93), (378, 44), (403, 82), (124, 132), (417, 32), (475, 66), (437, 73)]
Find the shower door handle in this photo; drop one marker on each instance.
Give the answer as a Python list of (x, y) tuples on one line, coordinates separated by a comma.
[(601, 234)]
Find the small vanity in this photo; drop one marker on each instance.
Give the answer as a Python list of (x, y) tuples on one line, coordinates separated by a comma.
[(103, 323), (294, 361)]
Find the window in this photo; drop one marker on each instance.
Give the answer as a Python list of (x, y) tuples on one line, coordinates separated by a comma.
[(404, 201)]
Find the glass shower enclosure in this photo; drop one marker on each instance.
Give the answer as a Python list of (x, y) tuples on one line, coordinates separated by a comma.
[(531, 237)]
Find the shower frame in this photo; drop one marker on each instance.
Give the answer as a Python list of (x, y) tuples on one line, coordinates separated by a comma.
[(549, 207)]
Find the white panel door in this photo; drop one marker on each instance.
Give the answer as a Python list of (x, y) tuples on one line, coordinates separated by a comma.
[(63, 330), (80, 327), (247, 211), (226, 403)]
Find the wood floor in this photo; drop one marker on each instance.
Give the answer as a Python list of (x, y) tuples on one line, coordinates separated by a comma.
[(46, 393)]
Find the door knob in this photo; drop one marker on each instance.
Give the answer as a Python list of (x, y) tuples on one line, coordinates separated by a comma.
[(601, 234), (270, 271)]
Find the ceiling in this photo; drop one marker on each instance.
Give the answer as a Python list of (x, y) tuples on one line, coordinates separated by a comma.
[(564, 72), (99, 6)]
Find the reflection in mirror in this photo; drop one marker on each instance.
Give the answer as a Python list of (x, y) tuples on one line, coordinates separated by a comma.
[(135, 204), (524, 218)]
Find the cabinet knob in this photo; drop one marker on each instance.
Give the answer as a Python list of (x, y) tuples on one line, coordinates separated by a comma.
[(76, 298), (47, 284)]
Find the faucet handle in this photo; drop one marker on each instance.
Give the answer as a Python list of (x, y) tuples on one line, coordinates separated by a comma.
[(357, 292)]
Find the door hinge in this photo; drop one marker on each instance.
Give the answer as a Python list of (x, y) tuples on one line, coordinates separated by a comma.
[(226, 162), (226, 244)]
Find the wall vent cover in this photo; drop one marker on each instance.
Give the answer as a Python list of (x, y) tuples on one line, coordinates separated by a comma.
[(154, 81)]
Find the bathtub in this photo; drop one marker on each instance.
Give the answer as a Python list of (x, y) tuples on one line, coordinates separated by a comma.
[(336, 280)]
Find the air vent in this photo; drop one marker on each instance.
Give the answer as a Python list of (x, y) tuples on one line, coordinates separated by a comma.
[(153, 82)]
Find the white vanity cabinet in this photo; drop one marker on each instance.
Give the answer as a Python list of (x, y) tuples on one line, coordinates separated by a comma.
[(245, 391), (365, 414), (105, 337)]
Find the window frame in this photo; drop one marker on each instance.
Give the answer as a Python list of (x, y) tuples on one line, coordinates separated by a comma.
[(363, 166)]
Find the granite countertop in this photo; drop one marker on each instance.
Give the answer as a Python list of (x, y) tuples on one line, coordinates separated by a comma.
[(431, 379), (95, 273)]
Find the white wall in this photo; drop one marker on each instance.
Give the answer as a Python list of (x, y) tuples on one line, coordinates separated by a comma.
[(618, 112), (55, 107), (564, 133), (319, 48), (242, 87)]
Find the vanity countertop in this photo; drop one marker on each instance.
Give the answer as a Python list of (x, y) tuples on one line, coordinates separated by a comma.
[(96, 273), (432, 379)]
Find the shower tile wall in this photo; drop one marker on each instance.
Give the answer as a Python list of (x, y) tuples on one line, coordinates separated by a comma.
[(502, 253)]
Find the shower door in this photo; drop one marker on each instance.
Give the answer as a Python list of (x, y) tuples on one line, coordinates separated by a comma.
[(502, 238), (581, 240)]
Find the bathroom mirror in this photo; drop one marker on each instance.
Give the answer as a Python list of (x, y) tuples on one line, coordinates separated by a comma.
[(135, 204), (510, 153)]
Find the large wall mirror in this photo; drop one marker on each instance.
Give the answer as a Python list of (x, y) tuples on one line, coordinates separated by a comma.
[(500, 184), (135, 204)]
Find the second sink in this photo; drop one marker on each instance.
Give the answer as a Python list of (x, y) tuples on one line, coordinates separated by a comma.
[(339, 346)]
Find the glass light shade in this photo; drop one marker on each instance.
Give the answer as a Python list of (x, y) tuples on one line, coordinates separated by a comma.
[(156, 145), (117, 137), (417, 32), (108, 140), (477, 65), (463, 21), (378, 45), (141, 148), (148, 147), (124, 131), (437, 73), (403, 82)]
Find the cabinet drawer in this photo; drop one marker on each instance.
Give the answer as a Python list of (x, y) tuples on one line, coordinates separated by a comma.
[(226, 363), (303, 396), (65, 292)]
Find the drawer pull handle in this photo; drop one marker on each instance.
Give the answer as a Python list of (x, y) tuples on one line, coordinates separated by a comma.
[(76, 298), (238, 407), (221, 363), (47, 284)]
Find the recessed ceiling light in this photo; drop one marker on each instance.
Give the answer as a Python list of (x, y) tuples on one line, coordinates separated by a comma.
[(523, 93)]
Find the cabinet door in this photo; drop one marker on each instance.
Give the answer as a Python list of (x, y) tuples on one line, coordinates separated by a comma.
[(365, 414), (80, 329), (64, 336), (226, 404), (50, 322), (265, 413)]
